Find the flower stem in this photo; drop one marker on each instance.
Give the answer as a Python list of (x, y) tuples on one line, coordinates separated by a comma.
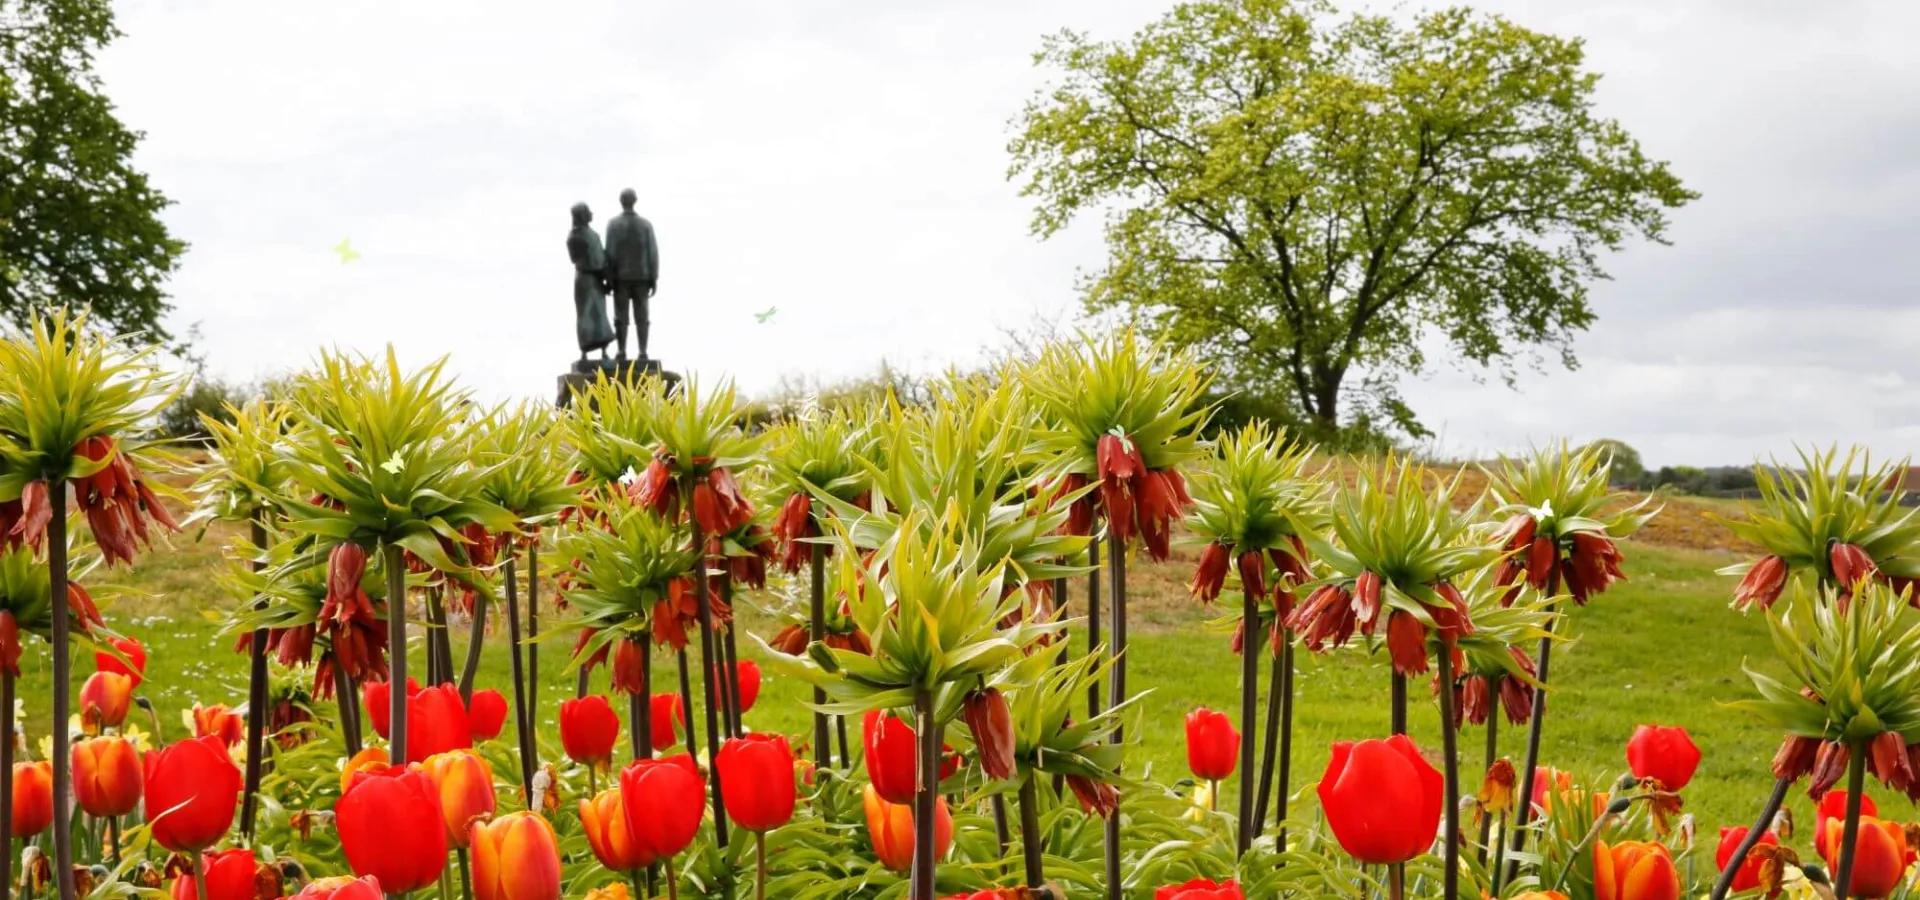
[(1759, 829), (396, 572), (533, 639), (199, 875), (1850, 838), (476, 641), (760, 865), (709, 690), (62, 691), (673, 881), (256, 700), (1493, 755), (817, 626), (1031, 848), (6, 784), (1116, 695), (1523, 810), (348, 701), (1249, 695), (466, 874), (1213, 795), (1450, 757), (633, 878), (925, 796), (522, 724)]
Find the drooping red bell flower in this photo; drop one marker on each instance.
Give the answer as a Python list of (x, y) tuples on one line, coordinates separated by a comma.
[(32, 798), (378, 698), (36, 513), (1663, 753), (1406, 643), (1382, 799), (1887, 759), (1593, 565), (1748, 877), (588, 729), (664, 800), (1116, 463), (1325, 619), (392, 828), (437, 722), (129, 658), (1796, 757), (756, 778), (1201, 889), (1829, 764), (1851, 565), (117, 501), (663, 712), (1210, 577), (107, 777), (1762, 584), (718, 505), (1096, 797), (193, 788), (1515, 696), (990, 722), (1213, 746), (792, 527), (629, 666), (891, 757), (104, 701), (487, 714), (231, 875)]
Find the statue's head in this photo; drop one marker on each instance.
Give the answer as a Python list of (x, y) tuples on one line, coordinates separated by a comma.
[(581, 214), (626, 199)]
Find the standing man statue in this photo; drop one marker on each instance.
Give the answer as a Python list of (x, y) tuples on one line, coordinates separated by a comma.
[(589, 284), (633, 267)]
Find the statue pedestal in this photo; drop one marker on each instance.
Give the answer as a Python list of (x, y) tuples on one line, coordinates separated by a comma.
[(586, 371)]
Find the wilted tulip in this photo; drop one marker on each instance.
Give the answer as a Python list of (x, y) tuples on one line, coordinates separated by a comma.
[(1497, 789), (220, 722), (342, 887), (664, 800), (991, 723), (463, 786), (128, 658), (890, 826), (1201, 889), (1213, 746), (604, 818), (1880, 855), (487, 714), (663, 711), (1382, 799), (437, 722), (588, 729), (391, 828), (1634, 870), (107, 779), (104, 701), (1665, 754), (756, 779), (193, 788), (1748, 877), (1762, 584), (230, 876), (32, 798), (891, 756), (516, 857)]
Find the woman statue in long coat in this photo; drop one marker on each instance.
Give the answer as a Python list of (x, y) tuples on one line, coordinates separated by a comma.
[(589, 284)]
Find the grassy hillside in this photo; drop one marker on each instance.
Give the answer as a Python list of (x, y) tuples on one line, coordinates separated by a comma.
[(1661, 648)]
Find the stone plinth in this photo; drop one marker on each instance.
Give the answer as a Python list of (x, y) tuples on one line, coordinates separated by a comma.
[(585, 371)]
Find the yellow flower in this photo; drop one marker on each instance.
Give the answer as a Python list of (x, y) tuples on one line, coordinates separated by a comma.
[(1202, 800), (613, 890)]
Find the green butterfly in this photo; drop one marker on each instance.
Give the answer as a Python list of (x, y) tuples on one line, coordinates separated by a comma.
[(394, 464), (767, 316), (347, 253)]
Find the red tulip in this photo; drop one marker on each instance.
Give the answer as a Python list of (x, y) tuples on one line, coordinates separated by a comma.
[(749, 674), (487, 714), (230, 876), (343, 887), (192, 790), (890, 826), (756, 778), (604, 819), (1381, 799), (1748, 877), (1213, 746), (516, 857), (104, 700), (1833, 808), (32, 798), (891, 756), (1201, 889), (391, 828), (991, 723), (663, 711), (437, 722), (1880, 855), (588, 730), (107, 779), (379, 699), (664, 800), (463, 788), (1634, 870), (129, 659), (1762, 584), (1665, 754), (220, 722)]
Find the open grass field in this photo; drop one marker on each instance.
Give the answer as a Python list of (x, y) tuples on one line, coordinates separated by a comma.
[(1661, 648)]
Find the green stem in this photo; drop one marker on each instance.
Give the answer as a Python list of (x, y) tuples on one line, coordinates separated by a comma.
[(199, 875), (1450, 757), (1850, 838), (62, 691), (466, 874), (396, 654), (760, 873)]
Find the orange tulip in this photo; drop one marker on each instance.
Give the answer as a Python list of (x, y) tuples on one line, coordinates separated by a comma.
[(368, 758), (1634, 870), (32, 798), (605, 820), (218, 721), (463, 784), (516, 857), (1880, 855), (891, 827), (104, 701), (107, 778)]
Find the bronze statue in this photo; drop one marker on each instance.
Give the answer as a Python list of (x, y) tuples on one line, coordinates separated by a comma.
[(589, 284), (633, 268)]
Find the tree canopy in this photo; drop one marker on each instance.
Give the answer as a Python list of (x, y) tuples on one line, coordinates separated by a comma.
[(1318, 202), (79, 225)]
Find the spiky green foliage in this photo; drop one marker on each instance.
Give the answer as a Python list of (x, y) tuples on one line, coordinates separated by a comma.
[(699, 430), (1052, 733), (246, 470), (1147, 394), (518, 449), (1565, 491), (391, 451), (621, 567), (609, 426), (288, 596), (1498, 627), (1860, 661), (1398, 521), (25, 591), (61, 383), (1832, 499), (820, 453), (1256, 494)]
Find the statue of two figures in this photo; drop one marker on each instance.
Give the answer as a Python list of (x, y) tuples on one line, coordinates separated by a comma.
[(627, 268)]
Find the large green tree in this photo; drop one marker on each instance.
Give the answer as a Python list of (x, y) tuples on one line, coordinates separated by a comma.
[(1319, 201), (78, 224)]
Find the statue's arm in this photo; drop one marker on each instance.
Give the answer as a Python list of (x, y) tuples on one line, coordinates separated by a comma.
[(653, 254), (577, 251)]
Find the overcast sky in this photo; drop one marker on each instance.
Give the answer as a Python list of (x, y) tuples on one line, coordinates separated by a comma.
[(843, 163)]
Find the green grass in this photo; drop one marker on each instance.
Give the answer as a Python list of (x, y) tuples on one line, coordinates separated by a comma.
[(1661, 648)]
